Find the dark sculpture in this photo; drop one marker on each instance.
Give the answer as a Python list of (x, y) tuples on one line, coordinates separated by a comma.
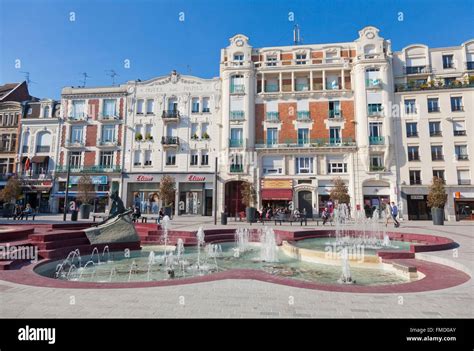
[(117, 207)]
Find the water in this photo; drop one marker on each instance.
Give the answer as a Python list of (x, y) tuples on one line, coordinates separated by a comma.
[(136, 267), (268, 246)]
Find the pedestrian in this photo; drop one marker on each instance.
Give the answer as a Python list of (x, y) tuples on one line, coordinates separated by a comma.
[(388, 213), (395, 214)]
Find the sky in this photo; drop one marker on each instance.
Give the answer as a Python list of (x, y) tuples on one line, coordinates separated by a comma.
[(57, 40)]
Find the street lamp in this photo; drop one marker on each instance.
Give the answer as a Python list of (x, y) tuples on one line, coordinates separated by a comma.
[(66, 194)]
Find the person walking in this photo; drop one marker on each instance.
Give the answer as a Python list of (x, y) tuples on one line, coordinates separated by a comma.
[(394, 212)]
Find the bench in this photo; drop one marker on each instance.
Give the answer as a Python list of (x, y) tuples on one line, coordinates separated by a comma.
[(146, 217), (99, 215), (290, 219)]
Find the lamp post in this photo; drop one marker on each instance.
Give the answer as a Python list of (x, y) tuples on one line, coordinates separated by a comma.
[(215, 193), (66, 194)]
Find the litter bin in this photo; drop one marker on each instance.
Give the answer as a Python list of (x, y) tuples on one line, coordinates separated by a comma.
[(74, 215), (224, 218)]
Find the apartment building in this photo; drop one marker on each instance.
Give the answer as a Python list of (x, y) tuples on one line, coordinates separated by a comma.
[(296, 117), (173, 128), (37, 153), (12, 97), (92, 134), (435, 89)]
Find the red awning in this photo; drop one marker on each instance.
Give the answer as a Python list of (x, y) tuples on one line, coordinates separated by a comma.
[(277, 194)]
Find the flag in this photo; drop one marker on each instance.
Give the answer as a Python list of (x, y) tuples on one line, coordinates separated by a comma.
[(27, 164)]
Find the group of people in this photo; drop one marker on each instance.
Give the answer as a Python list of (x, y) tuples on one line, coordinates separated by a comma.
[(21, 212), (136, 213), (268, 212)]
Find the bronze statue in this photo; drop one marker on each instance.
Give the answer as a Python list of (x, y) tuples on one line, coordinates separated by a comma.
[(117, 207)]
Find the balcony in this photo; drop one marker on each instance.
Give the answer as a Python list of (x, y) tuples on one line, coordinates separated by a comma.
[(457, 108), (271, 88), (78, 118), (470, 65), (334, 114), (237, 89), (7, 149), (409, 70), (236, 142), (432, 86), (437, 157), (374, 168), (74, 144), (170, 115), (375, 112), (105, 119), (107, 143), (373, 83), (303, 116), (42, 148), (435, 133), (236, 168), (305, 143), (301, 87), (237, 115), (462, 157), (376, 140), (36, 176), (464, 182), (92, 169), (273, 117), (459, 132), (170, 141)]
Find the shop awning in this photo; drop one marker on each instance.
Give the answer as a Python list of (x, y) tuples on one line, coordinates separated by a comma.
[(277, 194), (75, 193), (39, 159)]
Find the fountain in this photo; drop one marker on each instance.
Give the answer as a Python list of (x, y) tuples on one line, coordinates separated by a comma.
[(165, 224), (133, 270), (96, 251), (268, 248), (106, 249), (242, 236), (83, 269), (346, 277), (200, 242)]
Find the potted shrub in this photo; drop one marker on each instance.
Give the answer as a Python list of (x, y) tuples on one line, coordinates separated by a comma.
[(148, 137), (194, 137), (249, 197), (85, 190), (205, 135), (167, 193), (437, 198), (10, 194), (138, 137)]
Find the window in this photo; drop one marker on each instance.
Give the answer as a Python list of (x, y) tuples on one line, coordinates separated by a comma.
[(413, 154), (461, 152), (376, 163), (464, 177), (304, 165), (172, 105), (456, 103), (410, 106), (205, 105), (334, 109), (301, 59), (205, 130), (459, 128), (204, 158), (150, 107), (170, 158), (108, 133), (138, 132), (303, 136), (239, 58), (46, 112), (137, 158), (412, 129), (332, 82), (106, 159), (272, 136), (439, 173), (448, 61), (435, 128), (140, 107), (436, 152), (78, 108), (433, 105), (415, 177), (195, 105), (194, 131), (273, 164), (375, 129), (334, 135), (75, 159), (148, 158), (237, 84), (236, 137), (194, 158), (337, 167), (76, 134), (271, 60), (374, 109), (109, 108)]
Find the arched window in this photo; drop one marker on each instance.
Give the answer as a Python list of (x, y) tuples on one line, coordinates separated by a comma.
[(43, 142), (369, 51)]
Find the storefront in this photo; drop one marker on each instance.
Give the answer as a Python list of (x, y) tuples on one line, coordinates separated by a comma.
[(194, 192), (38, 195), (277, 193), (416, 201), (464, 205), (103, 186)]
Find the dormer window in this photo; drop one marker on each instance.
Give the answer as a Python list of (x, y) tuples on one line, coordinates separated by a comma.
[(46, 112), (239, 58), (271, 60)]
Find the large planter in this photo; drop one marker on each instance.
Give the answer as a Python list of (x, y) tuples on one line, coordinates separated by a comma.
[(85, 210), (438, 216), (250, 214)]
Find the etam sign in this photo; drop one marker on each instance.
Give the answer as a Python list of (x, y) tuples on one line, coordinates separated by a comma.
[(190, 178)]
